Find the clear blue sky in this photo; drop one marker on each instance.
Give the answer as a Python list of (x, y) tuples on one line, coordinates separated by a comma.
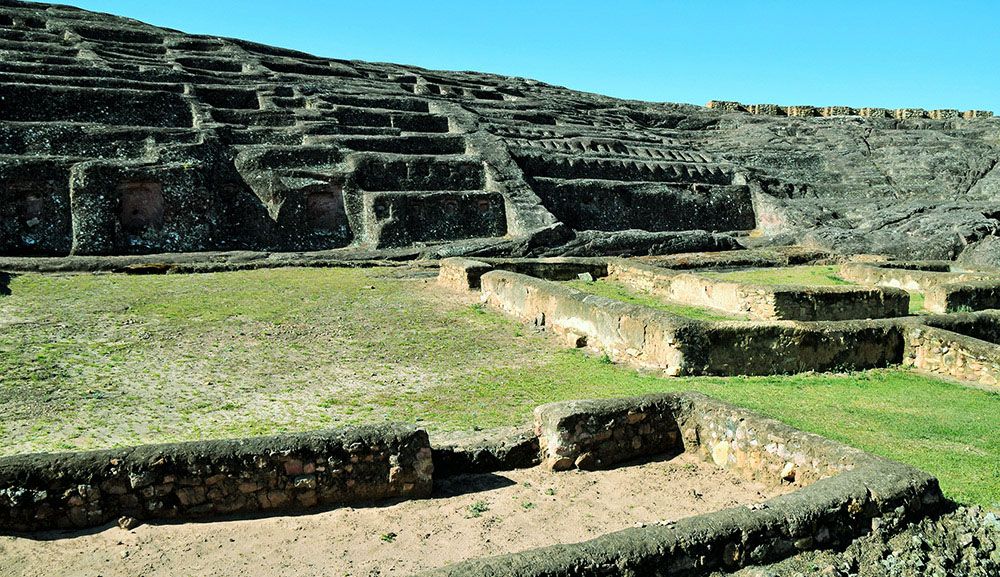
[(892, 54)]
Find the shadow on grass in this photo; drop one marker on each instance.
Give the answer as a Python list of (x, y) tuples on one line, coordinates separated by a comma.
[(5, 278)]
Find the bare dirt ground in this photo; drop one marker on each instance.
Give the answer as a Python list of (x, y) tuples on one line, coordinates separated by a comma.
[(470, 516)]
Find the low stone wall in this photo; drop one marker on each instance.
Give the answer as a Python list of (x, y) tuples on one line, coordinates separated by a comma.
[(803, 110), (967, 296), (640, 335), (651, 338), (484, 452), (952, 354), (785, 347), (895, 275), (843, 492), (982, 325), (464, 274), (599, 434), (207, 478), (759, 257), (763, 302)]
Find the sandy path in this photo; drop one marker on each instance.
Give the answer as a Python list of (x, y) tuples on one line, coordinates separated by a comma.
[(526, 509)]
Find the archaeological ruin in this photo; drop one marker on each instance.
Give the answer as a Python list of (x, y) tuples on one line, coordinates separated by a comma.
[(117, 137), (727, 242)]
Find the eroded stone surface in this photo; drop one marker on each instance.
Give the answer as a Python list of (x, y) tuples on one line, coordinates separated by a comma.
[(128, 138)]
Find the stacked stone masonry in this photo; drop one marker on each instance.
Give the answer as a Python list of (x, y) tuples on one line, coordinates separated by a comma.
[(211, 478), (842, 489), (835, 328), (679, 346), (763, 302), (810, 111), (839, 492)]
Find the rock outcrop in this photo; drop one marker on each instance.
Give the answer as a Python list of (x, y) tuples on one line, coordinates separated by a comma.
[(117, 137)]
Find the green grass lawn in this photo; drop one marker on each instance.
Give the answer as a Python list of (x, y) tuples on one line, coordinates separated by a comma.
[(618, 291), (104, 360), (807, 275)]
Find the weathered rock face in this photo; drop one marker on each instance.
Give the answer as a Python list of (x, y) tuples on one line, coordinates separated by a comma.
[(118, 137)]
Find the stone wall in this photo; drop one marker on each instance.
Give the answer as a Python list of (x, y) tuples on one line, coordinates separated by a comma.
[(647, 337), (767, 257), (764, 302), (963, 296), (844, 492), (953, 355), (784, 347), (840, 492), (207, 478), (464, 274), (809, 111), (639, 335), (982, 325), (915, 277), (599, 434)]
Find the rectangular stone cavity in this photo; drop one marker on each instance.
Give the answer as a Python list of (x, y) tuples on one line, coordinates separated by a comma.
[(208, 478), (325, 212), (401, 218), (379, 101), (610, 206), (273, 118), (236, 98), (34, 209), (405, 121), (841, 490), (211, 64), (142, 206), (416, 144), (419, 173)]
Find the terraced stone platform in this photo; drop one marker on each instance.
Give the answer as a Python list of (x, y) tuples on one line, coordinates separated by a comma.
[(118, 137)]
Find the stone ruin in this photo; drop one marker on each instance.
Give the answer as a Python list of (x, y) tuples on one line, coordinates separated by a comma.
[(787, 328), (839, 492), (117, 137), (811, 111)]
